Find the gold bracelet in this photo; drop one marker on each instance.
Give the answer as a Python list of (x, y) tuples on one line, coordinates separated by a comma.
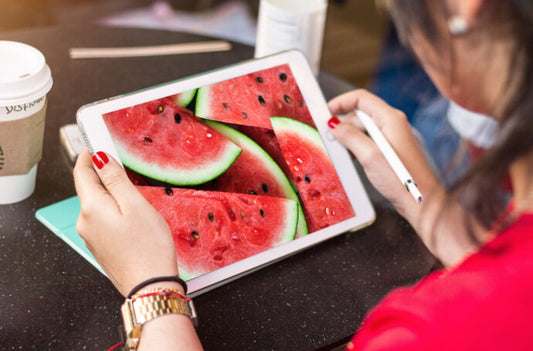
[(147, 305)]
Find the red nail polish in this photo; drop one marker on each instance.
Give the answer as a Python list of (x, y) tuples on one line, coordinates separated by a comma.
[(100, 159), (333, 121)]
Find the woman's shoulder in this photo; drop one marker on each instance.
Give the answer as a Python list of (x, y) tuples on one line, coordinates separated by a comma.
[(496, 270), (483, 303)]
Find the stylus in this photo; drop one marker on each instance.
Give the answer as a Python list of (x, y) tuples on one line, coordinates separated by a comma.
[(390, 155)]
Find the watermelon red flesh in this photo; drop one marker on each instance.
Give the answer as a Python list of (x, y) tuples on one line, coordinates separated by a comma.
[(168, 143), (254, 172), (254, 98), (136, 178), (214, 229), (324, 200), (266, 139)]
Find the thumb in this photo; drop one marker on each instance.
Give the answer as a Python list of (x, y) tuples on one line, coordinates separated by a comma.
[(114, 179)]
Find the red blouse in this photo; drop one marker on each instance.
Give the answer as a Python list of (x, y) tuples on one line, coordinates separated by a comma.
[(485, 303)]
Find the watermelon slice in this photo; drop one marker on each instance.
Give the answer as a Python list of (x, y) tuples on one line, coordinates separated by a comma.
[(214, 229), (168, 143), (135, 177), (266, 139), (255, 172), (185, 98), (323, 197), (252, 99)]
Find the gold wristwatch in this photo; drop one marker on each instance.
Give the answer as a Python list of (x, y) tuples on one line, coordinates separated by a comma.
[(139, 310)]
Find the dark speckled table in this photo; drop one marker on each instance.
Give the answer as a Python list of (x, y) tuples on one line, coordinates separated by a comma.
[(52, 299)]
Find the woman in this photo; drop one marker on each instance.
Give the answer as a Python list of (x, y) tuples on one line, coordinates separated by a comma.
[(479, 54)]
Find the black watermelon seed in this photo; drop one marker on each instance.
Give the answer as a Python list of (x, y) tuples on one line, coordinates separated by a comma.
[(244, 115), (307, 178), (264, 187), (287, 98), (148, 140), (283, 77), (259, 79), (252, 192), (211, 217), (195, 234), (160, 109), (225, 105), (177, 118), (169, 191), (262, 212), (261, 100), (231, 214)]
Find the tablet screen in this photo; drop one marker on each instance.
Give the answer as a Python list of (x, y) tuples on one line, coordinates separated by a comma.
[(236, 167)]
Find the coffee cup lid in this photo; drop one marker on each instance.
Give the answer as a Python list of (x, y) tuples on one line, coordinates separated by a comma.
[(24, 74)]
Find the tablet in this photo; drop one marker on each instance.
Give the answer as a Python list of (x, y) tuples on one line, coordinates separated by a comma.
[(239, 161)]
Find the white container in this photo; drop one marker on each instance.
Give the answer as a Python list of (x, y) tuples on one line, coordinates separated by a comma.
[(25, 79), (291, 24)]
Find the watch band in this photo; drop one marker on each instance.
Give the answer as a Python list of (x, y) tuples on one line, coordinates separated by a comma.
[(137, 311)]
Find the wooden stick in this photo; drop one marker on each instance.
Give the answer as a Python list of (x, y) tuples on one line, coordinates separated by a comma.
[(155, 50)]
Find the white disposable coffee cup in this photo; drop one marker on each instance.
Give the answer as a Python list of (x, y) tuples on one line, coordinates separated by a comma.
[(291, 24), (25, 79)]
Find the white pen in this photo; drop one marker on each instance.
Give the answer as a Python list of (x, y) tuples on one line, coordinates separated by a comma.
[(390, 155)]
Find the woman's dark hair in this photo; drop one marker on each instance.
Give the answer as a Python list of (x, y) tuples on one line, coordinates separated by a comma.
[(478, 189)]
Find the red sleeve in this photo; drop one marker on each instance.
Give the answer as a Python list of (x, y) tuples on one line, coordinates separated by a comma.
[(388, 327), (486, 303)]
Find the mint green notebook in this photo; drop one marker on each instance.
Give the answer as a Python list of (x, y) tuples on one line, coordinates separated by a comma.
[(61, 219)]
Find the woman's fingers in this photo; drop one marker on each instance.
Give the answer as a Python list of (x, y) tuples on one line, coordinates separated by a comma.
[(86, 180), (116, 181), (354, 120), (351, 135), (102, 183), (392, 123), (128, 237), (343, 103), (363, 100)]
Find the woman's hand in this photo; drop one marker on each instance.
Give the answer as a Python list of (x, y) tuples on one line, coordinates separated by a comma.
[(397, 131), (126, 235), (440, 220)]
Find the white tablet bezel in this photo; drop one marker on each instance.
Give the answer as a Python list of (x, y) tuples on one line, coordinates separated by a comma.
[(97, 137)]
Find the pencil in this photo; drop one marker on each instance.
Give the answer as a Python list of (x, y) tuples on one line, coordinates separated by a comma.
[(390, 155)]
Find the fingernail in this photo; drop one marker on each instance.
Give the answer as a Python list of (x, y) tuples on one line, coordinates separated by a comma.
[(333, 121), (100, 159)]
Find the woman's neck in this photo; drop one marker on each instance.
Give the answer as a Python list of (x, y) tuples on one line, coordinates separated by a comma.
[(521, 172)]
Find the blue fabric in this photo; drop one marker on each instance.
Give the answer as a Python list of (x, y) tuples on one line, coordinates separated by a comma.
[(402, 82)]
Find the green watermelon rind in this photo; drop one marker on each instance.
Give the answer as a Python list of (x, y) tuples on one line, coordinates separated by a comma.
[(291, 220), (246, 142), (174, 176), (186, 97), (202, 102), (285, 123)]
